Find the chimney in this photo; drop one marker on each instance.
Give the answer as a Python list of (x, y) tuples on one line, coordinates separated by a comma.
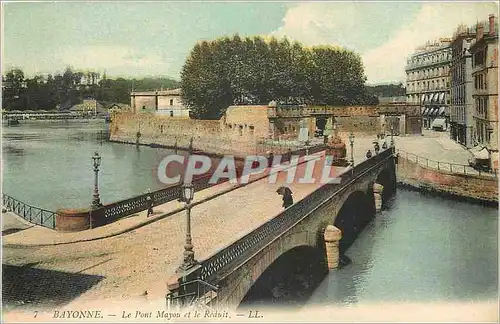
[(492, 25)]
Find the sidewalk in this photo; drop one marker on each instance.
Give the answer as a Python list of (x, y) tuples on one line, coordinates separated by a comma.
[(42, 236), (126, 266)]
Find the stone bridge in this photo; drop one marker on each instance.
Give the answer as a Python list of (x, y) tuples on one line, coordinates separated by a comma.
[(326, 222)]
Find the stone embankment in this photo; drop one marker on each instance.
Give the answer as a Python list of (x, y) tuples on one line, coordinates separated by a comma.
[(473, 187)]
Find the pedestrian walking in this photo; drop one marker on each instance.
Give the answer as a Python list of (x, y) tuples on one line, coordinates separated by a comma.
[(287, 196), (150, 201), (368, 154), (377, 147), (270, 158)]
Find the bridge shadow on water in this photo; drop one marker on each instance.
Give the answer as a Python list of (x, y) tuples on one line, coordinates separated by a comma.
[(290, 280), (28, 287)]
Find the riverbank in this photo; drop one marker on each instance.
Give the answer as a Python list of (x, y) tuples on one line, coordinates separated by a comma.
[(431, 191), (57, 121), (482, 189)]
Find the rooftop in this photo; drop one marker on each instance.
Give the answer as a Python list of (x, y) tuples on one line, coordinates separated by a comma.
[(168, 92)]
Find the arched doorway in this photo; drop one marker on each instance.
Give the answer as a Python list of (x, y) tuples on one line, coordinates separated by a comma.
[(320, 126)]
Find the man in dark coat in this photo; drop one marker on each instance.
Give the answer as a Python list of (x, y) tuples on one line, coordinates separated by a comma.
[(287, 196), (150, 202)]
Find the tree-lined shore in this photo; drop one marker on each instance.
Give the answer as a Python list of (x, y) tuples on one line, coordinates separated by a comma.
[(61, 91), (217, 74)]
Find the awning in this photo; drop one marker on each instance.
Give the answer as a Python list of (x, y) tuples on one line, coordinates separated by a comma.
[(441, 111), (434, 97), (441, 97), (423, 98), (435, 111), (480, 153), (426, 110)]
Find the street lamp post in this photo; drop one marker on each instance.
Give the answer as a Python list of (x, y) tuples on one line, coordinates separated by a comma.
[(351, 140), (187, 195), (96, 201)]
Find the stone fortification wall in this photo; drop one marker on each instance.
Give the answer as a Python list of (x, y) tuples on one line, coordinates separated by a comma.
[(236, 133)]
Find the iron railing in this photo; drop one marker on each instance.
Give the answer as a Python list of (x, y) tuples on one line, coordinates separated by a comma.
[(129, 206), (215, 265), (445, 166), (35, 215)]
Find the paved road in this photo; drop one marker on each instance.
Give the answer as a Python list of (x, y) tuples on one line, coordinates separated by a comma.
[(144, 259)]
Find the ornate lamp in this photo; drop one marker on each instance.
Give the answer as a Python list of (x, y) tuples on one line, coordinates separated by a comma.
[(351, 140), (187, 195)]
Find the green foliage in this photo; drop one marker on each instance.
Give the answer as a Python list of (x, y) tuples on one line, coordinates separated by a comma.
[(67, 89), (230, 71), (387, 90)]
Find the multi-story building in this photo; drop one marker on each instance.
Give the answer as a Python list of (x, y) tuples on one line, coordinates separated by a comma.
[(484, 52), (162, 102), (427, 81), (461, 122)]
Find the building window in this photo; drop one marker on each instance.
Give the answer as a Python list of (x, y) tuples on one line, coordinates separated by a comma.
[(171, 113), (171, 102)]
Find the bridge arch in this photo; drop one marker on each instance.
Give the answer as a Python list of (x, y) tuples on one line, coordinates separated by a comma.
[(356, 212), (293, 275)]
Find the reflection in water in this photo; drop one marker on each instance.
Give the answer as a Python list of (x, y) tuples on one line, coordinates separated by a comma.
[(49, 165), (418, 249)]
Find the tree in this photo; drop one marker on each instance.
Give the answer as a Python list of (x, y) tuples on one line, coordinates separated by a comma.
[(230, 71), (13, 89), (66, 89)]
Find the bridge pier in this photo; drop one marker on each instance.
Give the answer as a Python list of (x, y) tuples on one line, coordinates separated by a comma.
[(377, 194), (332, 237)]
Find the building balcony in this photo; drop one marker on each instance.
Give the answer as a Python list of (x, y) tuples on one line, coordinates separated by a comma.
[(418, 66), (429, 77)]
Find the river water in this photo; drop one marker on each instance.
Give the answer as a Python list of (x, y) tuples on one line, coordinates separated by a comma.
[(420, 248), (49, 165)]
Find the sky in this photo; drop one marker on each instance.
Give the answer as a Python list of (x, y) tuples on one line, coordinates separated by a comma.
[(136, 39)]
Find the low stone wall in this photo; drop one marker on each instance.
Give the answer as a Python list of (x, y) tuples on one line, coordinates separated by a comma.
[(478, 188), (230, 135), (72, 220)]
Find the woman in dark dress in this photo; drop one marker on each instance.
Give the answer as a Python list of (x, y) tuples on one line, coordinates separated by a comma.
[(287, 196)]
